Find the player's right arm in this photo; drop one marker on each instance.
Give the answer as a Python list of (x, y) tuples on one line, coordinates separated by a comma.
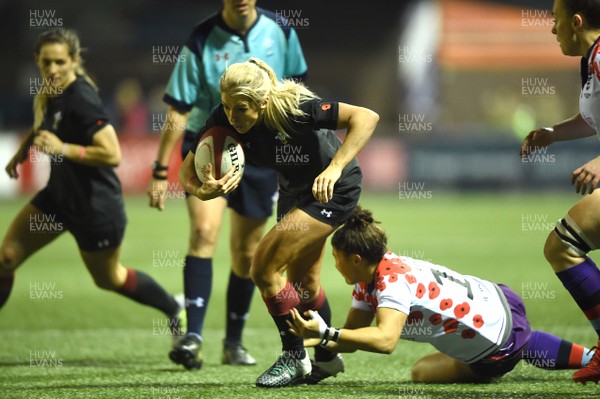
[(380, 338), (20, 155), (172, 132), (182, 93), (569, 129), (211, 188)]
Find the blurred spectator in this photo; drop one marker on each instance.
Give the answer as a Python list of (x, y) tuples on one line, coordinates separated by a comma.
[(131, 111)]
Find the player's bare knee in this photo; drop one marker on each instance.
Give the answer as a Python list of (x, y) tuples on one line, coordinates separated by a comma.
[(553, 248), (241, 260), (203, 236), (8, 260), (107, 283), (259, 275), (241, 267), (567, 244)]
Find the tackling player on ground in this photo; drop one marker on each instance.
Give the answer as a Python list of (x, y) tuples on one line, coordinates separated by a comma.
[(239, 31), (83, 195), (577, 29), (479, 328)]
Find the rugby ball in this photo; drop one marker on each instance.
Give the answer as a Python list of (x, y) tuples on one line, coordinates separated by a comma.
[(220, 147)]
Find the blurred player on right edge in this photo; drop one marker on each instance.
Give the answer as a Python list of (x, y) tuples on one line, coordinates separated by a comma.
[(577, 29)]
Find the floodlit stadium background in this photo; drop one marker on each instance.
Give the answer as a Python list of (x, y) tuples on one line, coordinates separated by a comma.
[(457, 83)]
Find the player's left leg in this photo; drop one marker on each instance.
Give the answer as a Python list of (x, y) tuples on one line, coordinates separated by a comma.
[(305, 276), (439, 368), (566, 250), (109, 274), (20, 242), (245, 235), (549, 352), (286, 246)]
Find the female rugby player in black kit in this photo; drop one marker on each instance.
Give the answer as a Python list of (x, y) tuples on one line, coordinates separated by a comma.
[(83, 195), (319, 189)]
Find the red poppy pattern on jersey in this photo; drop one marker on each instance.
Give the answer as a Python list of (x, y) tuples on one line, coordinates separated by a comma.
[(450, 326), (414, 317), (468, 333), (435, 319), (478, 321), (391, 268), (445, 304), (364, 295), (434, 290), (420, 291), (462, 310), (436, 298)]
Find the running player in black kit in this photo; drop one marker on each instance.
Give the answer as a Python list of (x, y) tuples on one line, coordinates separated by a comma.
[(83, 195), (286, 127)]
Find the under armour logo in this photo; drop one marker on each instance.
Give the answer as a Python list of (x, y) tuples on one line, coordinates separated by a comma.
[(103, 243), (235, 316), (326, 213), (198, 302)]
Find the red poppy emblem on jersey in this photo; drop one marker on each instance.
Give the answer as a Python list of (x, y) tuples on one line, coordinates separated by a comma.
[(420, 291), (477, 321), (380, 284), (450, 326), (468, 334), (390, 268), (410, 278), (461, 310), (435, 319), (326, 107), (446, 304), (403, 268), (359, 296), (434, 290), (414, 317)]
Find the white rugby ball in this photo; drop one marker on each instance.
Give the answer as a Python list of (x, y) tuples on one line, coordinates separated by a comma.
[(220, 147)]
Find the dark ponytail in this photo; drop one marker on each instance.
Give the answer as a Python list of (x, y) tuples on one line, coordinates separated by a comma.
[(361, 235)]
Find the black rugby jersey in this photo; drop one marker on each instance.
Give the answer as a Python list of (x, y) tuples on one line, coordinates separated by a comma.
[(300, 158), (85, 194)]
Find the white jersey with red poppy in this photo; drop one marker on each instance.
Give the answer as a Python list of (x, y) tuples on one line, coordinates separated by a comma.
[(462, 316), (589, 100)]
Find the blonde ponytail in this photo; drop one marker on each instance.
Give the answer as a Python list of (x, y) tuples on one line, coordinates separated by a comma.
[(61, 36), (255, 81)]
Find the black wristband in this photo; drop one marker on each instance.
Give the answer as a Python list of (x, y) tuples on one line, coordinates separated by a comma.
[(336, 335), (158, 167), (156, 176)]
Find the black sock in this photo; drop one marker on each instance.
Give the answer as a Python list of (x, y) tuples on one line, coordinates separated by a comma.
[(289, 342), (321, 305), (6, 284), (322, 354), (239, 297), (143, 289), (197, 287)]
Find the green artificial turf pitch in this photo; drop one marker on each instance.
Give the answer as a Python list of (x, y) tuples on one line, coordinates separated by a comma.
[(61, 337)]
